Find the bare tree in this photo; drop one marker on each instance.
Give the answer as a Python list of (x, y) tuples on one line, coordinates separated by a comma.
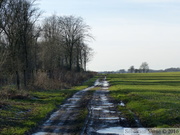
[(64, 42), (52, 44), (3, 50), (87, 54), (74, 32), (18, 18), (132, 69), (144, 67)]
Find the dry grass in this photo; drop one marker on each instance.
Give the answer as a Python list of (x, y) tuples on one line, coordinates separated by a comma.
[(20, 116), (10, 92), (60, 80)]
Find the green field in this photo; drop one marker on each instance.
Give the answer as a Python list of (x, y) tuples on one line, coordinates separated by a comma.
[(153, 97)]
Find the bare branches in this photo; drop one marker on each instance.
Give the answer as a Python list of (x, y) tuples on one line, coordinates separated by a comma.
[(59, 43), (17, 24), (74, 32), (144, 67), (68, 35)]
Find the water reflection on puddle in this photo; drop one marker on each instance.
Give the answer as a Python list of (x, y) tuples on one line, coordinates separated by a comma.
[(101, 107), (73, 99), (108, 111), (122, 104), (112, 130), (110, 118), (44, 133), (96, 108)]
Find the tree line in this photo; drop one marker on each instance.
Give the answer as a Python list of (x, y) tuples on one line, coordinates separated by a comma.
[(144, 68), (58, 44)]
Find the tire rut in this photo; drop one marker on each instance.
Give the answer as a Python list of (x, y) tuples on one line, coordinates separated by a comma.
[(104, 118), (65, 120)]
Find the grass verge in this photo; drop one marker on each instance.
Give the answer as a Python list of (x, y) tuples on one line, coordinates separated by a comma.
[(22, 111)]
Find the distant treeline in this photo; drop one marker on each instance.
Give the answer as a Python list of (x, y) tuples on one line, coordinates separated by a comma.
[(29, 50), (149, 71), (166, 70)]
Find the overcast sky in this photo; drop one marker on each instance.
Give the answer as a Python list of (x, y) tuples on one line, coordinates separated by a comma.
[(127, 32)]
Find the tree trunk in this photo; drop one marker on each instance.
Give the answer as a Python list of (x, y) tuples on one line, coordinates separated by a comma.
[(18, 80), (77, 61), (25, 78), (70, 60)]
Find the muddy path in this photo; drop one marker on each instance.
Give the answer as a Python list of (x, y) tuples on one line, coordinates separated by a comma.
[(103, 117), (65, 121)]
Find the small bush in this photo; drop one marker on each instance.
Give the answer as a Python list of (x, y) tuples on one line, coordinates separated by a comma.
[(60, 79), (10, 92)]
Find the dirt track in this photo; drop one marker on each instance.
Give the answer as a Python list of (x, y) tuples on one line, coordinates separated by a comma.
[(65, 120), (103, 117)]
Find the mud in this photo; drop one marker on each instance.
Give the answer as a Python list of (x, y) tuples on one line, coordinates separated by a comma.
[(104, 118), (65, 120)]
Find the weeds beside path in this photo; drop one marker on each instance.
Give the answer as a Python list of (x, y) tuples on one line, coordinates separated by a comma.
[(19, 115), (69, 118)]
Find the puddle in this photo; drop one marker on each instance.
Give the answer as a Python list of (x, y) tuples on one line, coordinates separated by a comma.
[(105, 91), (105, 84), (122, 104), (86, 89), (110, 104), (72, 106), (123, 118), (103, 114), (103, 98), (44, 133), (108, 111), (49, 121), (73, 99), (105, 106), (105, 88), (55, 114), (97, 108), (111, 130), (76, 96), (58, 121), (110, 118), (66, 105), (97, 83)]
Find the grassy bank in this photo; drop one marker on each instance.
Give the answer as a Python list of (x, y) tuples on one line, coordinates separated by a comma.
[(21, 111), (153, 97)]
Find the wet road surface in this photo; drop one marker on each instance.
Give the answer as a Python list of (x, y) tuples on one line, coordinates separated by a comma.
[(64, 121), (103, 116)]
